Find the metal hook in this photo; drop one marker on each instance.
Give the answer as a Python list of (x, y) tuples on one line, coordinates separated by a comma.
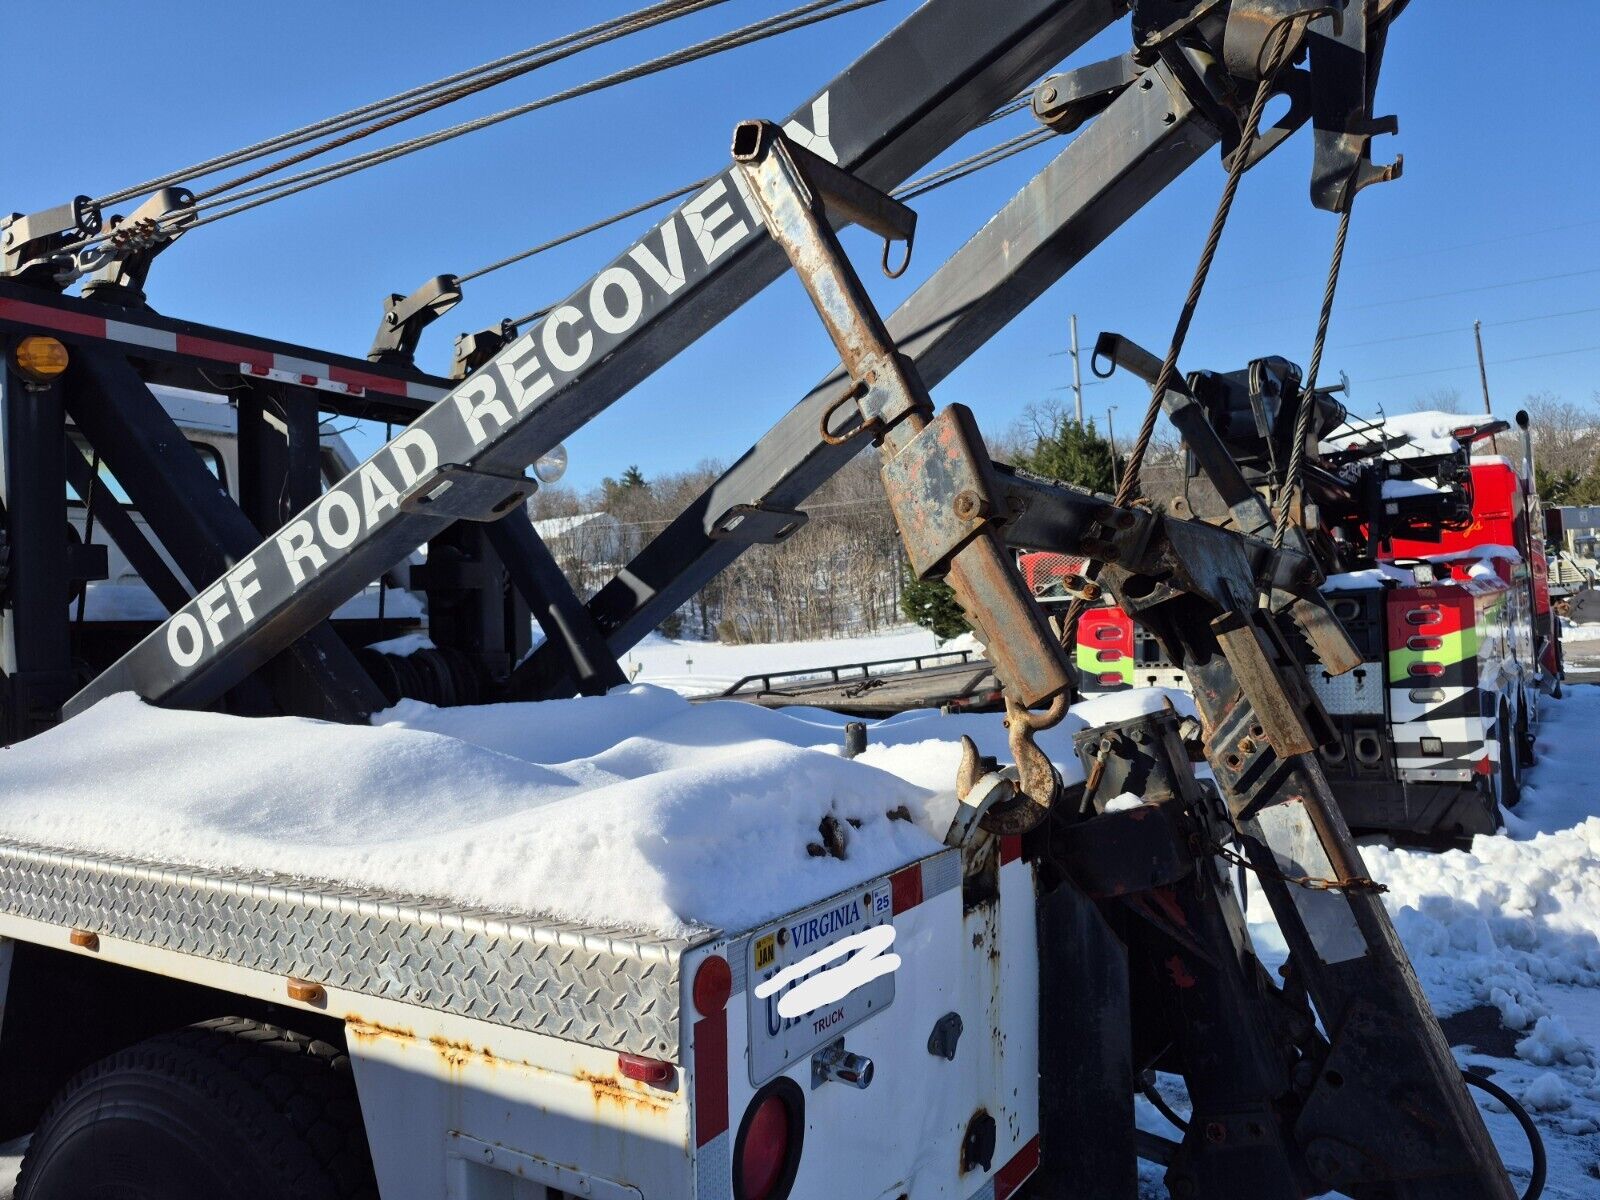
[(902, 268), (854, 392)]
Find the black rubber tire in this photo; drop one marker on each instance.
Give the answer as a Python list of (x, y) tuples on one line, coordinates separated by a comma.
[(228, 1109), (1526, 755), (1510, 775)]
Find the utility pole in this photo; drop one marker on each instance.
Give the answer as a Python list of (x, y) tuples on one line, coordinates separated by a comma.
[(1077, 379), (1483, 374), (1483, 378), (1111, 436)]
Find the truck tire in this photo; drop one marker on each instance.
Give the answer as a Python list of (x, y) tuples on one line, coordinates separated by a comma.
[(1526, 755), (1510, 773), (228, 1108)]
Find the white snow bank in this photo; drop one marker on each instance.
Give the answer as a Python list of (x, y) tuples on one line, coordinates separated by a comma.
[(635, 809)]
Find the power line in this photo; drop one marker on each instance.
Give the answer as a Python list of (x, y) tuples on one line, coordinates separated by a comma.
[(1409, 337), (1494, 363), (1488, 287), (1394, 258)]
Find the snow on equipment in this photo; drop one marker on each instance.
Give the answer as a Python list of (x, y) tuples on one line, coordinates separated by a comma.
[(957, 1015)]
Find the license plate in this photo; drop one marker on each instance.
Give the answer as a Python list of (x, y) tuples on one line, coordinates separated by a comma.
[(777, 1040)]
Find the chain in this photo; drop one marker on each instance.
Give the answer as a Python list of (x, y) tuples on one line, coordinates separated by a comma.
[(1356, 883)]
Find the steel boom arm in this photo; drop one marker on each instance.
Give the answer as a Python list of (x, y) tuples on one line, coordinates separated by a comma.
[(930, 81), (1130, 153)]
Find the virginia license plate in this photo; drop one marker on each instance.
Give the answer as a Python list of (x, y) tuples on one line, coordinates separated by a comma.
[(777, 1040)]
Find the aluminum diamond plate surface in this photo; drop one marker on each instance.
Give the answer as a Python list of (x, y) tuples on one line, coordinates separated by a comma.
[(602, 987), (1358, 692)]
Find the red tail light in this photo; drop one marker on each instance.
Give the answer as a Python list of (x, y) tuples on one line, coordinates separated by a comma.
[(1110, 677), (766, 1153), (1424, 616), (645, 1070), (1108, 655), (1424, 643), (1427, 668)]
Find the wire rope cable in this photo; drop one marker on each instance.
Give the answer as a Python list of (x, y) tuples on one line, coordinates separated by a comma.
[(927, 183), (768, 27), (593, 35), (683, 8), (1293, 484), (1277, 50)]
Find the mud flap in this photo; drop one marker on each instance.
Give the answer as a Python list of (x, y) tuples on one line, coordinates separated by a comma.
[(1086, 1131)]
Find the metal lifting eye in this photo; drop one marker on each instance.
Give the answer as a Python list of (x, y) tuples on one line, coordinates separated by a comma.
[(906, 262), (1096, 359)]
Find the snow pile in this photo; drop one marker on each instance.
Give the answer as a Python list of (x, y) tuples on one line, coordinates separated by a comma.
[(1425, 433), (1371, 577), (1399, 489), (635, 809)]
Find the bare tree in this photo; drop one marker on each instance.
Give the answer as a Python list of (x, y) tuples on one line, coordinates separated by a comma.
[(1440, 399)]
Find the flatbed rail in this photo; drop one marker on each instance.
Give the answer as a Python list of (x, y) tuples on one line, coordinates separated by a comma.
[(838, 673)]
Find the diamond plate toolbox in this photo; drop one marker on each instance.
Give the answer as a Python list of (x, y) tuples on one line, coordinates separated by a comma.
[(602, 987)]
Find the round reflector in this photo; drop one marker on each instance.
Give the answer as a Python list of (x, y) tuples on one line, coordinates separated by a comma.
[(713, 983), (766, 1154), (41, 359)]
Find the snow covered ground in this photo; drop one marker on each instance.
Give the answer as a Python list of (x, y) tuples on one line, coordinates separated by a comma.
[(699, 668)]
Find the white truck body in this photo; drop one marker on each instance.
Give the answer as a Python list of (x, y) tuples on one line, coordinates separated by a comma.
[(489, 1049)]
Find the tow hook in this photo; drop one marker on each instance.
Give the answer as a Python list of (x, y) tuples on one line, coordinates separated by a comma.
[(834, 1064), (1015, 799)]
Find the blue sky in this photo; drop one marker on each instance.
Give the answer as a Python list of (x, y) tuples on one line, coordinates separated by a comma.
[(1495, 218)]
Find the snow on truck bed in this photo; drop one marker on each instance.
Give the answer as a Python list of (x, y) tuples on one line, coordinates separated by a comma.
[(634, 809)]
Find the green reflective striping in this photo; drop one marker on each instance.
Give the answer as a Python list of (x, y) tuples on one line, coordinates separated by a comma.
[(1089, 664), (1453, 648)]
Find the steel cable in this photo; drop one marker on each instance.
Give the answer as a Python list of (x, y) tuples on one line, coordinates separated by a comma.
[(977, 162), (927, 183), (679, 9), (1282, 45), (593, 35), (1293, 483), (786, 22)]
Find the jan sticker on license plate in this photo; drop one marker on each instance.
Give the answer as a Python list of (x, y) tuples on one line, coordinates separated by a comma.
[(776, 1040)]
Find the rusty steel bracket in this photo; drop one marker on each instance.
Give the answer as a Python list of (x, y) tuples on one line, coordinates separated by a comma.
[(940, 483), (943, 480)]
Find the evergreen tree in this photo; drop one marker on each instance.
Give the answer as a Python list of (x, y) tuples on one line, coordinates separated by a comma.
[(632, 483), (1071, 453), (931, 603)]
